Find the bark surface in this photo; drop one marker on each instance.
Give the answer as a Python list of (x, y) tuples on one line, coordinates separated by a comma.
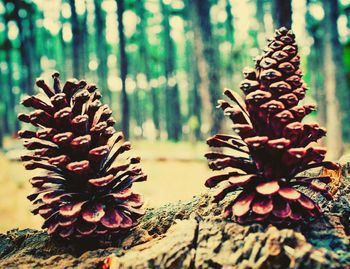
[(193, 235)]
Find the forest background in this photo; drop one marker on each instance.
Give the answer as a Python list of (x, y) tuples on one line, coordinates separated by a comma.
[(161, 66)]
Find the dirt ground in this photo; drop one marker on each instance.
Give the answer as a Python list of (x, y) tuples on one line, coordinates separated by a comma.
[(175, 172)]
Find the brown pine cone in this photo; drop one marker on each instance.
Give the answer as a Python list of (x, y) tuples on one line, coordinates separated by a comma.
[(85, 190), (272, 146)]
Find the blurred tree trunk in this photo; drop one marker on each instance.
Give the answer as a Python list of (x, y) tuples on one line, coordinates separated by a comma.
[(123, 69), (66, 68), (194, 118), (208, 64), (316, 63), (260, 16), (2, 103), (84, 48), (172, 98), (35, 58), (26, 49), (337, 96), (77, 40), (2, 133), (10, 121), (230, 33), (282, 13), (102, 69), (155, 110), (11, 100), (143, 68), (195, 104), (4, 94)]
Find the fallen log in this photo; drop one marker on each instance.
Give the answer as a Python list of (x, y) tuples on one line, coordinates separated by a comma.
[(191, 235)]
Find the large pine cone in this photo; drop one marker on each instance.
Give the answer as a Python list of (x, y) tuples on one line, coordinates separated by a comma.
[(273, 146), (86, 187)]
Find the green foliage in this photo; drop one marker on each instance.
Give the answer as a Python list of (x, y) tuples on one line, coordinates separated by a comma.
[(38, 37)]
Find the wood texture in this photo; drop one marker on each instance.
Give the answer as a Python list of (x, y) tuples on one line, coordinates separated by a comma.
[(194, 235)]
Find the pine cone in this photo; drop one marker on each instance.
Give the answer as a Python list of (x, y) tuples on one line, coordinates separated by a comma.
[(86, 188), (272, 146)]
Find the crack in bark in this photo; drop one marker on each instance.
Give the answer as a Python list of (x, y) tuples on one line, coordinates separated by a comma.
[(195, 244)]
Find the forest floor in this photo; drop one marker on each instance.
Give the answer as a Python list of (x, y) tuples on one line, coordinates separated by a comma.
[(168, 166)]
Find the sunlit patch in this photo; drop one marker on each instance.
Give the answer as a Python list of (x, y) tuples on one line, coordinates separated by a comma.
[(114, 83), (66, 11), (111, 60), (130, 85), (67, 32), (13, 30), (93, 65), (316, 11), (141, 81)]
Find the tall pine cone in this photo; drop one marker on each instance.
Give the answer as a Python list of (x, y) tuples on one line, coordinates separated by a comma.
[(272, 146), (86, 188)]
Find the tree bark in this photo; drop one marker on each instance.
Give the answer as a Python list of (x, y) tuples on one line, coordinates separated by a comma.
[(316, 64), (194, 117), (337, 96), (11, 124), (192, 235), (260, 16), (67, 62), (76, 44), (230, 34), (172, 98), (36, 69), (208, 64), (102, 69), (144, 68), (2, 111), (84, 46), (123, 69), (282, 13), (26, 50)]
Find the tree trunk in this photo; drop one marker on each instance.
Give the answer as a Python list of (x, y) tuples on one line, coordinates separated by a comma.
[(138, 111), (36, 69), (84, 45), (194, 117), (150, 68), (260, 16), (342, 86), (230, 33), (102, 69), (77, 36), (316, 64), (337, 96), (2, 110), (123, 69), (282, 13), (10, 98), (26, 52), (67, 62), (144, 68), (208, 64), (5, 93), (172, 98)]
